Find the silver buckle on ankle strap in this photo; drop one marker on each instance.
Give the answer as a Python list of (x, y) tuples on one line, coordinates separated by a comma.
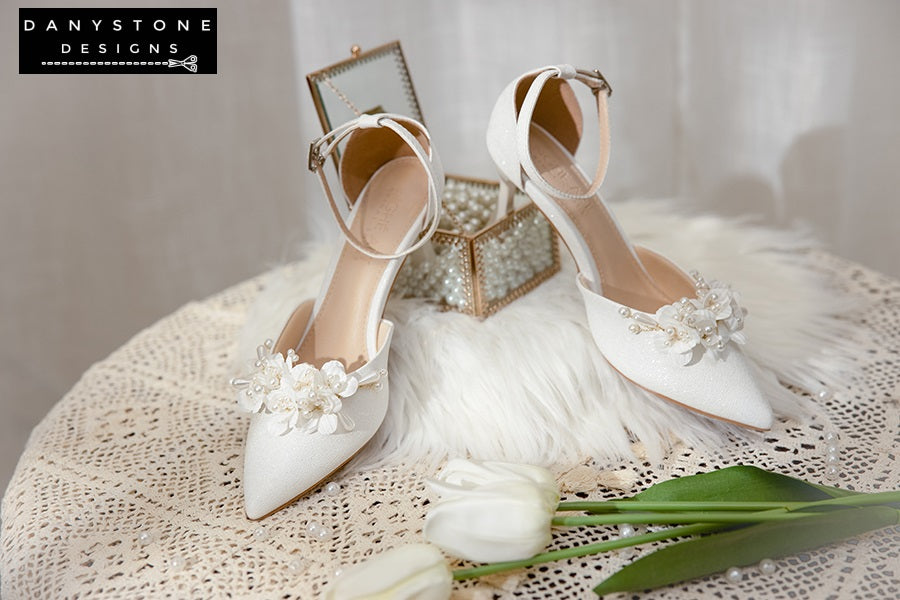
[(314, 160), (596, 81)]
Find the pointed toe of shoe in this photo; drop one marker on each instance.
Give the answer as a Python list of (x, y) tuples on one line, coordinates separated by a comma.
[(721, 385), (280, 468), (747, 405)]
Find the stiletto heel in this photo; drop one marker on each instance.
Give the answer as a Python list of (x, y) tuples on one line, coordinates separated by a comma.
[(506, 197), (674, 334), (320, 392)]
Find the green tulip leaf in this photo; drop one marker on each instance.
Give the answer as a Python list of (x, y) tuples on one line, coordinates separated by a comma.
[(740, 483), (745, 546)]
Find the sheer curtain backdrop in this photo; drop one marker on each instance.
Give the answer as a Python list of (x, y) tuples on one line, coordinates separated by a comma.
[(786, 110), (124, 197)]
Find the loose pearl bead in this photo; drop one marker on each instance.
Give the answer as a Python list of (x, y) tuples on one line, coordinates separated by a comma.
[(333, 489), (734, 575), (338, 572), (296, 565), (832, 458), (323, 533), (767, 566), (626, 530), (831, 436), (313, 527), (832, 471), (259, 533), (824, 394), (832, 449), (177, 562), (144, 538)]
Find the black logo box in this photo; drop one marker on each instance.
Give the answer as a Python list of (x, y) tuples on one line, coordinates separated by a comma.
[(117, 40)]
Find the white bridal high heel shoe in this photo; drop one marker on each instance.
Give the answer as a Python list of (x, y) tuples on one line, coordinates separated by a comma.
[(674, 334), (320, 392)]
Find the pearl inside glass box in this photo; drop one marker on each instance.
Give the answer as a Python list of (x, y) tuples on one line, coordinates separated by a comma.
[(484, 255)]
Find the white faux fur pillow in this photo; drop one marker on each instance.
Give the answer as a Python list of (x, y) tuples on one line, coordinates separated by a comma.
[(527, 384)]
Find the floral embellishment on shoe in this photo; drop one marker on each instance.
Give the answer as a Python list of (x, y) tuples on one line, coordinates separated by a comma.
[(300, 395), (691, 326)]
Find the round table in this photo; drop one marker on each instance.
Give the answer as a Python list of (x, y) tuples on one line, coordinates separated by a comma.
[(131, 486)]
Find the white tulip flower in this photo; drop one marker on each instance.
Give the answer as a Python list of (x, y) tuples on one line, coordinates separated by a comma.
[(492, 511), (416, 571), (474, 473)]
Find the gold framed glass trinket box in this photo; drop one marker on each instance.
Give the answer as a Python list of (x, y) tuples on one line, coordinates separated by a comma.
[(484, 255)]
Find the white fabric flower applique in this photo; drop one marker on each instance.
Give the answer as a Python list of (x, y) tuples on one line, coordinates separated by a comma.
[(300, 396), (692, 326)]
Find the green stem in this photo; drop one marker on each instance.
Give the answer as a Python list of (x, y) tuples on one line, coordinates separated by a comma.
[(612, 506), (680, 518), (887, 498), (587, 550)]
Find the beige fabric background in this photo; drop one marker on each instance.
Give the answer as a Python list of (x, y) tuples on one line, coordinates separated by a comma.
[(125, 196)]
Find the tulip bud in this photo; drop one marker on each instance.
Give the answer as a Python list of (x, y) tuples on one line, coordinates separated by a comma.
[(471, 473), (492, 511), (416, 571)]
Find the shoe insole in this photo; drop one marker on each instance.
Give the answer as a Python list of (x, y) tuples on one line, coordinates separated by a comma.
[(388, 208), (624, 278)]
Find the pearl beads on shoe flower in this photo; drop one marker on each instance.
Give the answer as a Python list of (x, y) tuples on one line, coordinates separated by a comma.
[(691, 325), (300, 395)]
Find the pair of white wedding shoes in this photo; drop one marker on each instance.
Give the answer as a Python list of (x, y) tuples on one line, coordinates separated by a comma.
[(320, 392)]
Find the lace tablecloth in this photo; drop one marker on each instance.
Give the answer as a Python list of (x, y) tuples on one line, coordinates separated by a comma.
[(131, 486)]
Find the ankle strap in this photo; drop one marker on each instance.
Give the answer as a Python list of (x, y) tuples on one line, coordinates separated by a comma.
[(602, 91), (322, 147)]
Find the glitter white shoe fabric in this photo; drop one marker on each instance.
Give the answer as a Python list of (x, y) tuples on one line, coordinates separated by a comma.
[(303, 439), (320, 392), (673, 334)]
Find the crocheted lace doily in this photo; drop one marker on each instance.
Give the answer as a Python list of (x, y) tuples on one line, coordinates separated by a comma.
[(147, 442)]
